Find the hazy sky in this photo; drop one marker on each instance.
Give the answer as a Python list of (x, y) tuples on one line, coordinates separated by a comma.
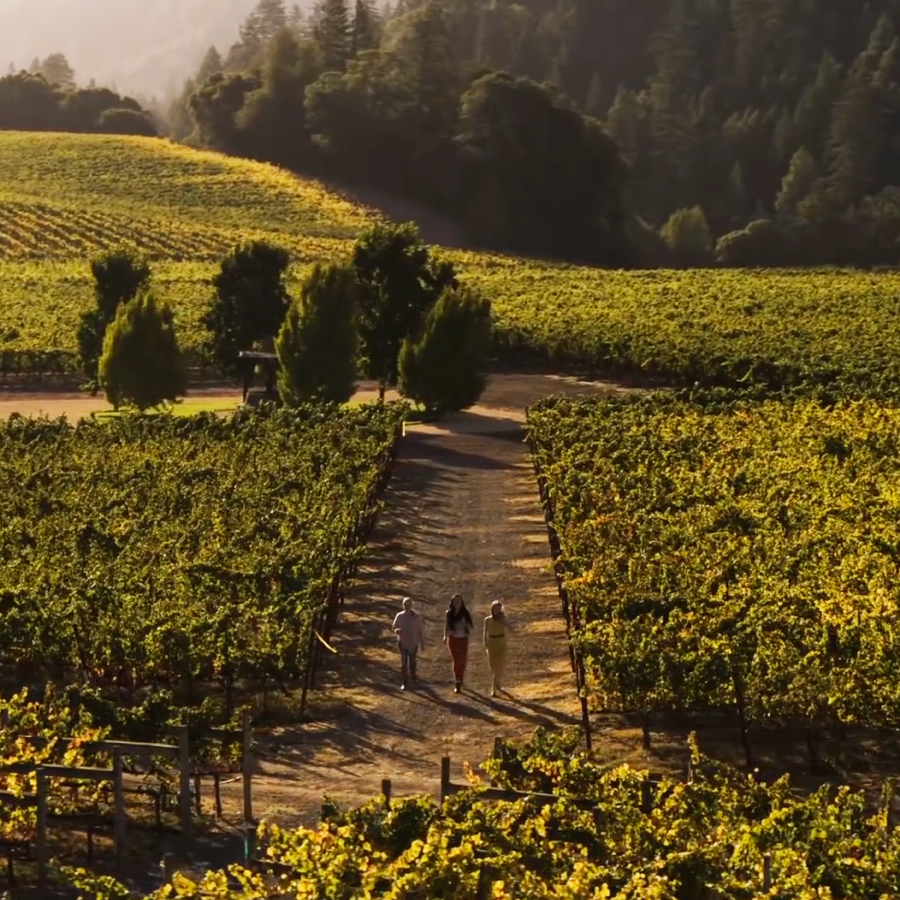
[(144, 46)]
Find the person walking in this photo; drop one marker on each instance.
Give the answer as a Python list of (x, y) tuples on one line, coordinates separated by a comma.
[(409, 627), (458, 626), (495, 644)]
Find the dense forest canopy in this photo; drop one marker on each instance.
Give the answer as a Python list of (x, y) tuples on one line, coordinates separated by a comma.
[(617, 131), (620, 132)]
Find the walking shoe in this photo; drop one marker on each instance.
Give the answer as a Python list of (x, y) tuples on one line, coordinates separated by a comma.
[(456, 688)]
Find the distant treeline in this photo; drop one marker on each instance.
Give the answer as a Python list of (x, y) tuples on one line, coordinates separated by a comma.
[(687, 132), (30, 102)]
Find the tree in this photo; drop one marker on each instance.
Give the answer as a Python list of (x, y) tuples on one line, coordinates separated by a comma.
[(267, 19), (364, 34), (537, 176), (689, 237), (127, 121), (56, 69), (333, 33), (761, 243), (250, 304), (214, 108), (119, 274), (801, 175), (317, 343), (444, 368), (400, 283), (142, 364), (272, 122), (211, 64)]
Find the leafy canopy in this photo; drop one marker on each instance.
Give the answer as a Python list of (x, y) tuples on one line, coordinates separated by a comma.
[(317, 343), (250, 303), (401, 281)]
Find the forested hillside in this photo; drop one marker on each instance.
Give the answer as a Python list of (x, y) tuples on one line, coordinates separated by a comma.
[(780, 115)]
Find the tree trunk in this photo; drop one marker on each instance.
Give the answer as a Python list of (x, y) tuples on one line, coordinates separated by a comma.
[(645, 728)]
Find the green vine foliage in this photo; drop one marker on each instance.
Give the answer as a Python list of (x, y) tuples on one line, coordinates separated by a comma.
[(703, 840), (730, 554), (151, 564)]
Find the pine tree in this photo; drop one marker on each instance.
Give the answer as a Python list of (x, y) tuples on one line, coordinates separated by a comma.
[(119, 275), (365, 28), (855, 138), (210, 65), (444, 369), (430, 71), (296, 21), (333, 34), (142, 365), (813, 112), (56, 69), (316, 346), (801, 175)]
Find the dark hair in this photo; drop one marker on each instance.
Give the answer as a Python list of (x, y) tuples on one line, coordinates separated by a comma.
[(453, 616)]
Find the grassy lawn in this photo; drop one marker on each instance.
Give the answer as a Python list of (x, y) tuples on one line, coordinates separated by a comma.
[(188, 407)]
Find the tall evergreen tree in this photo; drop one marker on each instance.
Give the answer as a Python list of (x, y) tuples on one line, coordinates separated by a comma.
[(802, 174), (365, 28), (333, 33)]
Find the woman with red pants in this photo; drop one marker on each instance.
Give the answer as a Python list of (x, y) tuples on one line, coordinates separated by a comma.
[(457, 628)]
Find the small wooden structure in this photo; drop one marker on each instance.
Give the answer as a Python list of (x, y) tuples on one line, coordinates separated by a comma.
[(253, 362)]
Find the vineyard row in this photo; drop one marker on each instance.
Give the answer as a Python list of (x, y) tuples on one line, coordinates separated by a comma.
[(741, 555)]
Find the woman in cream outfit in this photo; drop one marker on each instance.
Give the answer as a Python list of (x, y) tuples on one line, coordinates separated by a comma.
[(495, 644)]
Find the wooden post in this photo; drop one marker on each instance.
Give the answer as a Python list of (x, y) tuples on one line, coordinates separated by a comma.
[(646, 797), (247, 764), (249, 841), (198, 804), (184, 764), (119, 805), (767, 872), (216, 787), (42, 858), (445, 777), (168, 866), (386, 790)]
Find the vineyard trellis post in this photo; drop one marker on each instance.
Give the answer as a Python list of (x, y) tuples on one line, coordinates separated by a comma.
[(247, 764), (119, 806), (42, 857), (184, 765)]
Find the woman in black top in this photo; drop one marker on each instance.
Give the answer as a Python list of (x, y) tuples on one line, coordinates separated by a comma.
[(457, 628)]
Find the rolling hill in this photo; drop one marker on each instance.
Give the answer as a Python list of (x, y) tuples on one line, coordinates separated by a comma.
[(63, 197)]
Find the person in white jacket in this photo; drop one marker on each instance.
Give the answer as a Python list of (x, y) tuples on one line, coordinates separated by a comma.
[(409, 627)]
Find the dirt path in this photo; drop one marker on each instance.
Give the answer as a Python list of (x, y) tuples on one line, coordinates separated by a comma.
[(462, 514)]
